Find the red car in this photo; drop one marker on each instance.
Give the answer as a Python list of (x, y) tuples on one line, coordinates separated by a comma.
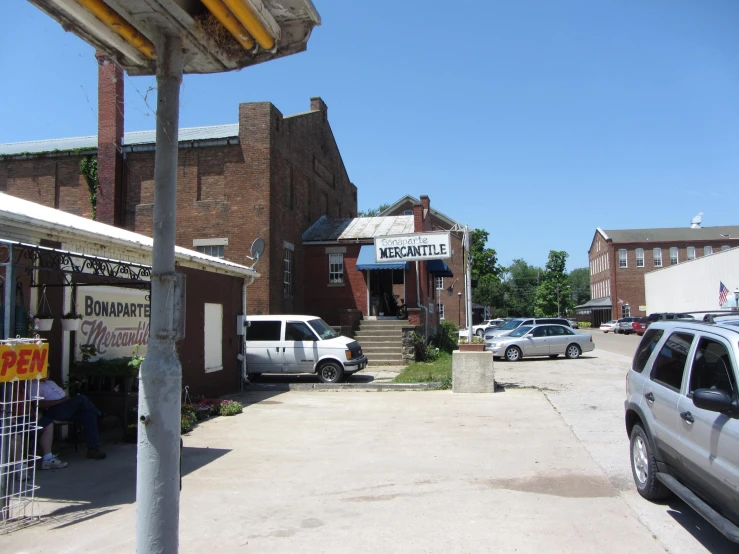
[(639, 326)]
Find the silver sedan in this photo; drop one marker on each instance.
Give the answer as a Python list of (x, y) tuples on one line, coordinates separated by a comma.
[(540, 340)]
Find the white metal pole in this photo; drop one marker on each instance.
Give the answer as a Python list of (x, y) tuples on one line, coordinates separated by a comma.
[(160, 380)]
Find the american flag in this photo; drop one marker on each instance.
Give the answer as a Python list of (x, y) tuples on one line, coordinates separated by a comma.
[(722, 293), (620, 301)]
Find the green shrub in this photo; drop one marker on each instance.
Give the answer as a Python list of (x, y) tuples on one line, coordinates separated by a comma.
[(584, 324), (448, 336), (432, 353), (230, 407)]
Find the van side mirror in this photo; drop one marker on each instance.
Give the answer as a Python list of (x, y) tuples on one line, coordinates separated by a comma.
[(713, 400)]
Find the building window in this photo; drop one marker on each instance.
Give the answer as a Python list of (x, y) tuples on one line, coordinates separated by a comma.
[(288, 269), (673, 255), (336, 268), (707, 250), (639, 257), (724, 248), (439, 283), (217, 251), (691, 252), (625, 310), (213, 337), (622, 258), (408, 212), (440, 307), (657, 253)]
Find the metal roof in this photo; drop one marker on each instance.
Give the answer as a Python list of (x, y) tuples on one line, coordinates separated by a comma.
[(672, 234), (326, 229), (29, 214), (132, 138), (596, 303)]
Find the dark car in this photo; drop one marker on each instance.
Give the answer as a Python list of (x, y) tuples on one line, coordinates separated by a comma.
[(624, 325), (639, 326)]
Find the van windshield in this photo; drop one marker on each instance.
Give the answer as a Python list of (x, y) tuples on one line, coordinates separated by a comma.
[(322, 328), (510, 324)]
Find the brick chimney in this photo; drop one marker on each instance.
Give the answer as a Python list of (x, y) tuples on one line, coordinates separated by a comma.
[(318, 105), (110, 141)]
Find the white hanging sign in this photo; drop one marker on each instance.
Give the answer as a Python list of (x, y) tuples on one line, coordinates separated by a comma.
[(418, 246)]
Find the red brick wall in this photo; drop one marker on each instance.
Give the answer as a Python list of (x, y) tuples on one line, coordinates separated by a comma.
[(110, 139)]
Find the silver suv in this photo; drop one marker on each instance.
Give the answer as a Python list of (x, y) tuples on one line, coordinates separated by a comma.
[(682, 417)]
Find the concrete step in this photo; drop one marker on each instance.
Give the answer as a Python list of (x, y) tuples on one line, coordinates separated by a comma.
[(375, 343), (372, 325), (393, 335), (375, 363), (370, 351), (394, 322), (397, 358)]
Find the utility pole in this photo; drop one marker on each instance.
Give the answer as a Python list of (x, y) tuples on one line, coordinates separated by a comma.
[(468, 284), (160, 382), (558, 314)]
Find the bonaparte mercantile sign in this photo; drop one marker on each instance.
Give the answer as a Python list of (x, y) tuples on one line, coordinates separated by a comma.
[(408, 248)]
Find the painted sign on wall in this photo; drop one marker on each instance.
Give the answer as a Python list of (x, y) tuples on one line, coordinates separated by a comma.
[(418, 246), (114, 320)]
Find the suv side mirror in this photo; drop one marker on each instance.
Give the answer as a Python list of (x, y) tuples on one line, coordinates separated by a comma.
[(713, 400)]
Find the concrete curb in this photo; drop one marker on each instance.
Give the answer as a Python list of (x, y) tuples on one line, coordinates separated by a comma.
[(323, 387)]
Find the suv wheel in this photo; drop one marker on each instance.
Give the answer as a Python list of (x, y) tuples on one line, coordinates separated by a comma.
[(480, 332), (644, 467), (330, 372)]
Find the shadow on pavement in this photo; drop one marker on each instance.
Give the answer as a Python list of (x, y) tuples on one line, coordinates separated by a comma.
[(307, 378), (703, 531), (90, 488)]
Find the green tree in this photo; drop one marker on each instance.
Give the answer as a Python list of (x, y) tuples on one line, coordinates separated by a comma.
[(484, 260), (374, 212), (492, 292), (553, 296), (521, 280), (580, 285)]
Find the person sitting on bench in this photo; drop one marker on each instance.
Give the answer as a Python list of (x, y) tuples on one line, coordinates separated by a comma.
[(57, 406)]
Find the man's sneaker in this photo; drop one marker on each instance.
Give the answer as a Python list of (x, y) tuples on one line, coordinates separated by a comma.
[(95, 453), (53, 463)]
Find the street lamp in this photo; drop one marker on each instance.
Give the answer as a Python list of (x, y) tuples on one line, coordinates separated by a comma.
[(459, 309), (169, 38)]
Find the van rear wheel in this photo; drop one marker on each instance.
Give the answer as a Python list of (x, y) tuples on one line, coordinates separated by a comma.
[(331, 372)]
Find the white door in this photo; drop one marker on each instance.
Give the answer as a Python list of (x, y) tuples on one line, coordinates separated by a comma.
[(213, 337), (300, 348), (264, 347)]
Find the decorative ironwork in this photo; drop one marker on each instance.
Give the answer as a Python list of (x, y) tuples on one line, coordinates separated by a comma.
[(65, 268)]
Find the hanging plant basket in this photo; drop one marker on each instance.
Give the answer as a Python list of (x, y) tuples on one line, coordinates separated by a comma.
[(43, 323), (71, 324)]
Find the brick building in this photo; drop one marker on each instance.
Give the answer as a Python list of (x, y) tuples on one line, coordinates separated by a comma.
[(346, 282), (619, 259), (450, 290), (268, 176)]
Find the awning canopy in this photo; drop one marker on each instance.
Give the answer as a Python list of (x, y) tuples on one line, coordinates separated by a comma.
[(596, 304), (366, 260), (439, 268)]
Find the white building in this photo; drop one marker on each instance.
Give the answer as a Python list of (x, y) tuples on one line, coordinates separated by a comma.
[(694, 285)]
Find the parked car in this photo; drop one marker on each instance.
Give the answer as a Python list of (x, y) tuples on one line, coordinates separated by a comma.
[(609, 326), (668, 316), (624, 325), (639, 326), (682, 418), (300, 344), (573, 323), (479, 330), (540, 340), (514, 323)]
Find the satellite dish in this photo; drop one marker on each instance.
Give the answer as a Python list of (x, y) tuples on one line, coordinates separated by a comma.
[(696, 222), (257, 249)]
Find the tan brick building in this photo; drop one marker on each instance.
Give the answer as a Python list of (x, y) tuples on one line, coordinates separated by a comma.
[(619, 260), (268, 176)]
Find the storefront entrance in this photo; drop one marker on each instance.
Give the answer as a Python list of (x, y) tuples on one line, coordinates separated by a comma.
[(385, 292)]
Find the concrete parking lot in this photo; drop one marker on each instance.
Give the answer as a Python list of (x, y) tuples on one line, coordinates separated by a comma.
[(359, 472)]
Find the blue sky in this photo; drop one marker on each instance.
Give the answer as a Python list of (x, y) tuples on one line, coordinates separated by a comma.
[(537, 120)]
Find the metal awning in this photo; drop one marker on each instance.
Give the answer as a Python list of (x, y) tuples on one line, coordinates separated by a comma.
[(439, 268), (366, 260), (596, 303)]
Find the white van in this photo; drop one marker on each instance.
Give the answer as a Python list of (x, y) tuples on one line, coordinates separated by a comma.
[(300, 344)]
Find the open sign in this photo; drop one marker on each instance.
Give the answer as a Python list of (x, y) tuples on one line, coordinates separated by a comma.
[(23, 361)]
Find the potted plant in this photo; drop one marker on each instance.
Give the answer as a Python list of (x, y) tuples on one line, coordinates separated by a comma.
[(42, 323), (477, 345), (71, 321)]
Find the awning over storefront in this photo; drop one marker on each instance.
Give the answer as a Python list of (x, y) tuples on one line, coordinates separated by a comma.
[(439, 268), (366, 260), (596, 304)]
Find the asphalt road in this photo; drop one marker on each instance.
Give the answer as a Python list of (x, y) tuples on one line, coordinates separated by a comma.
[(618, 344)]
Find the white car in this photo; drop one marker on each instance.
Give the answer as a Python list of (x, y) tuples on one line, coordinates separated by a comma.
[(479, 329), (609, 326)]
